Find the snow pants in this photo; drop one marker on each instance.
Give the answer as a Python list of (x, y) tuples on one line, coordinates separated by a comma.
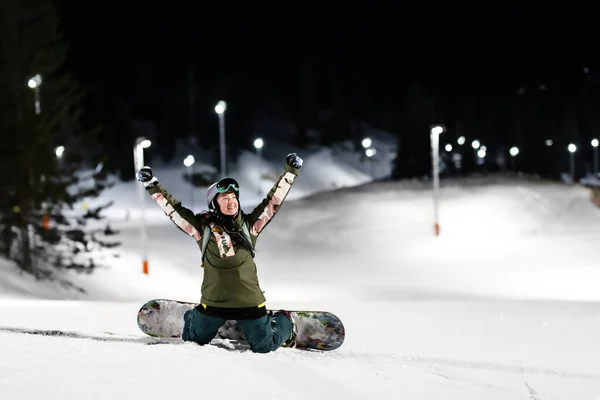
[(264, 334)]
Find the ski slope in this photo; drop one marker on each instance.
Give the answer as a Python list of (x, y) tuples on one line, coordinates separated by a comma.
[(504, 304)]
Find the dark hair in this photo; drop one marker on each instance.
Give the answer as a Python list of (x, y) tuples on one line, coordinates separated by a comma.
[(228, 224)]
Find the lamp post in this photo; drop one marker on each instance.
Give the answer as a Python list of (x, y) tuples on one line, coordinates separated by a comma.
[(258, 145), (595, 146), (142, 143), (481, 153), (59, 151), (370, 152), (34, 83), (435, 153), (189, 163), (572, 149), (514, 151), (220, 110), (366, 144)]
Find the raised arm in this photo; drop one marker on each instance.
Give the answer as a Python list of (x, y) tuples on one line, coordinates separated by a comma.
[(182, 217), (266, 210)]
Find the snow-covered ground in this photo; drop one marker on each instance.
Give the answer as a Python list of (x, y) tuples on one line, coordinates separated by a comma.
[(504, 304)]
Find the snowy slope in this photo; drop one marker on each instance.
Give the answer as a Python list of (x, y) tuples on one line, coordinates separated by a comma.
[(503, 305)]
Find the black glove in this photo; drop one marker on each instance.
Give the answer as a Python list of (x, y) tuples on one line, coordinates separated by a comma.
[(294, 161), (145, 174)]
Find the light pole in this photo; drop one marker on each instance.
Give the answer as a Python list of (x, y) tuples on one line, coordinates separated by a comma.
[(482, 152), (366, 144), (514, 151), (595, 146), (59, 151), (189, 163), (34, 83), (220, 109), (572, 149), (258, 145), (435, 153), (370, 152), (141, 143)]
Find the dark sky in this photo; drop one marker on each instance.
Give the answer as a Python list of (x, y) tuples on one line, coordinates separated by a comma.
[(451, 45)]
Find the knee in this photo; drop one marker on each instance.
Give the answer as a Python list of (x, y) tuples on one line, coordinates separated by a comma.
[(259, 335), (193, 328), (263, 346)]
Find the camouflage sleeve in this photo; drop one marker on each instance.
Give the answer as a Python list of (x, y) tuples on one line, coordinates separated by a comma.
[(266, 210), (182, 217)]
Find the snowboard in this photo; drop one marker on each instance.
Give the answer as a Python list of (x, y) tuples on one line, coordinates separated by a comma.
[(317, 330)]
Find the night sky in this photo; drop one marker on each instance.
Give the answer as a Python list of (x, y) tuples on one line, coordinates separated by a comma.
[(251, 55), (439, 44)]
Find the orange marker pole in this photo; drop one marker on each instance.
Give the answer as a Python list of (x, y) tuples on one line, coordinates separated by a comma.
[(435, 167)]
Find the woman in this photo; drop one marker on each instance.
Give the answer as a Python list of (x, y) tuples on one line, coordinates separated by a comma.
[(230, 287)]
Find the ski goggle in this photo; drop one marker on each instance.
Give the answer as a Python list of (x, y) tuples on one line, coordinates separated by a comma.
[(227, 183)]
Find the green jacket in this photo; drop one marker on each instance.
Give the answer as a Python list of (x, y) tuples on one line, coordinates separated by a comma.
[(230, 274)]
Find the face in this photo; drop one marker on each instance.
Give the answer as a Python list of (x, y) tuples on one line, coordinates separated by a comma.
[(228, 203)]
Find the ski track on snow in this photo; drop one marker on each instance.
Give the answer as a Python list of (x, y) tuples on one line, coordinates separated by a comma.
[(433, 365)]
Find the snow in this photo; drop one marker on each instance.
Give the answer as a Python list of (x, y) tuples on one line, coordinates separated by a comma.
[(504, 304)]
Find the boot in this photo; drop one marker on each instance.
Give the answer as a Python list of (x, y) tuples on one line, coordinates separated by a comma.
[(291, 341)]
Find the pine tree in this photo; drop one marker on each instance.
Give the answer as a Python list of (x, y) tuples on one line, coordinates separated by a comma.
[(42, 227)]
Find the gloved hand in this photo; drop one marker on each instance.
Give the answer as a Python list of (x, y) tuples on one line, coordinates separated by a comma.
[(294, 161), (145, 174)]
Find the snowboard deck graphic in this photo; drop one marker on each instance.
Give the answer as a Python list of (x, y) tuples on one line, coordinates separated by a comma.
[(317, 330)]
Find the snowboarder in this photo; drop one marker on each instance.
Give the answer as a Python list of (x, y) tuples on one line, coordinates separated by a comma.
[(230, 287)]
